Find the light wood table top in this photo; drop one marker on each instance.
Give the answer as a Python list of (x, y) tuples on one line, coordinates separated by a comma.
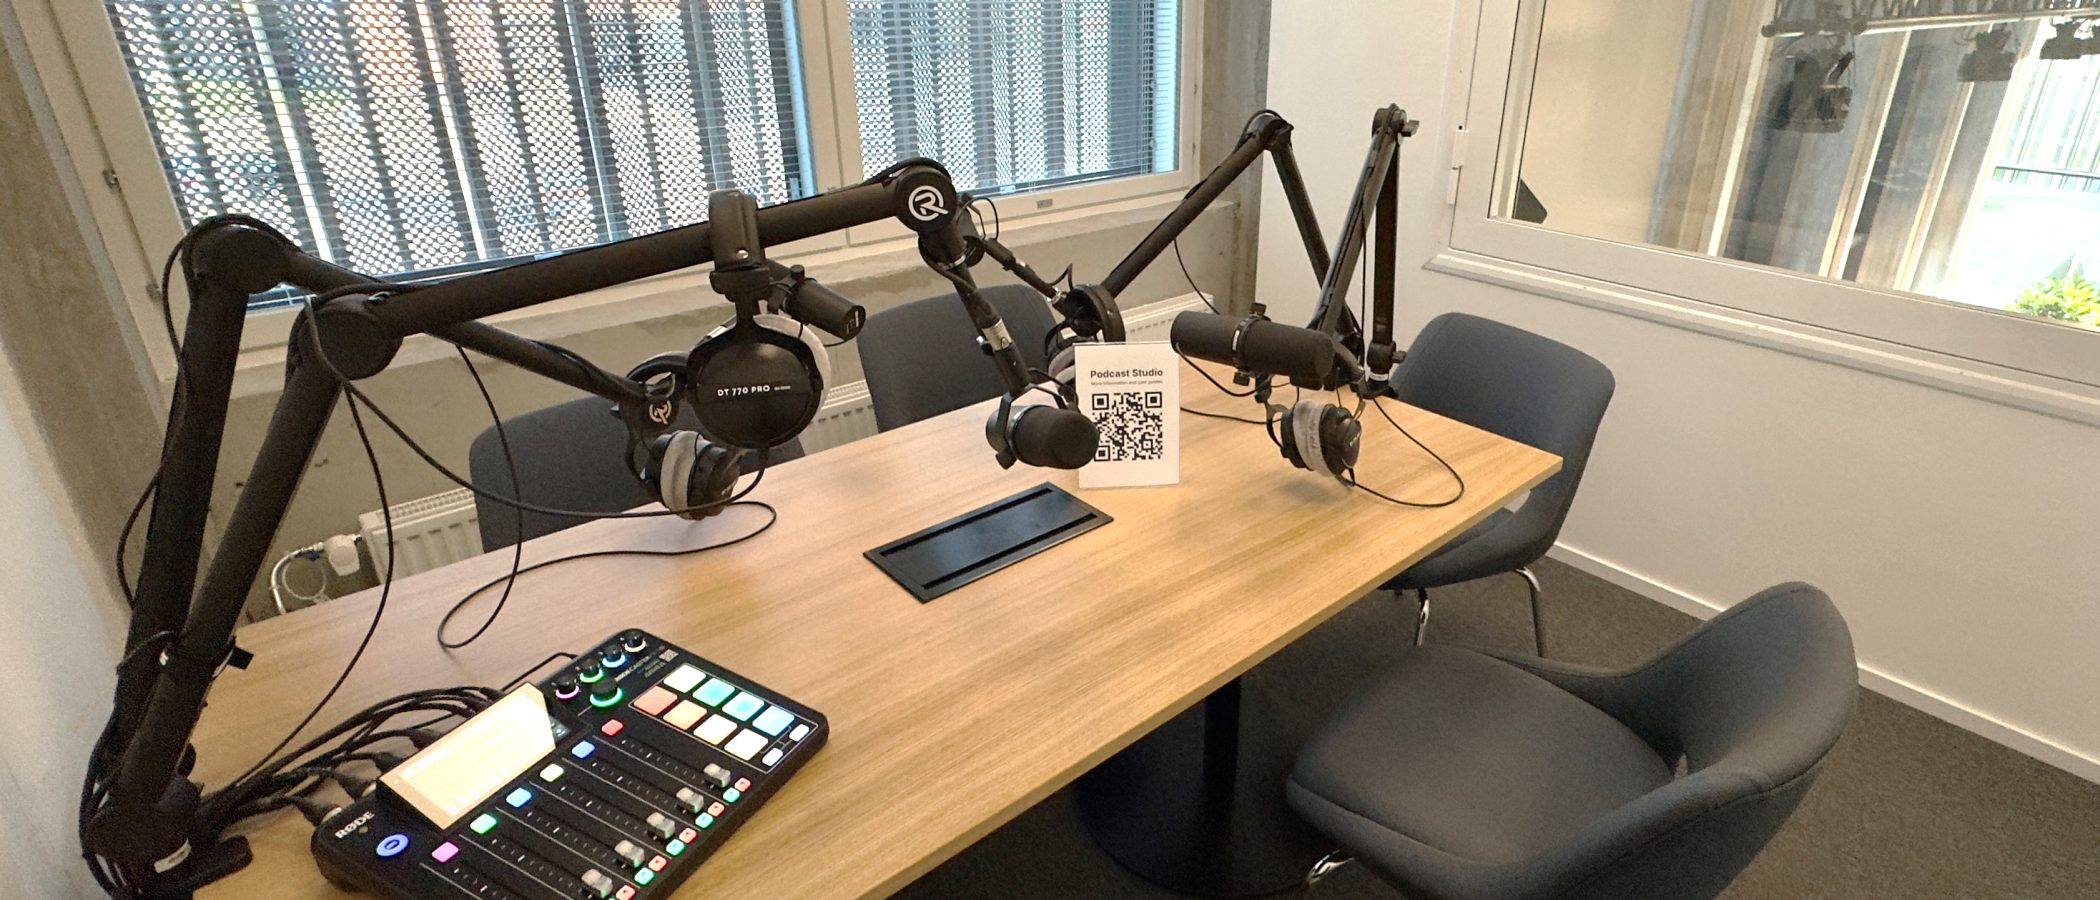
[(950, 718)]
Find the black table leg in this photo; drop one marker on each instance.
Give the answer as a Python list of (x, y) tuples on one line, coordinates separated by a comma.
[(1198, 806)]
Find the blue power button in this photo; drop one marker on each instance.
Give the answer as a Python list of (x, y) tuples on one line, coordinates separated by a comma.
[(391, 845)]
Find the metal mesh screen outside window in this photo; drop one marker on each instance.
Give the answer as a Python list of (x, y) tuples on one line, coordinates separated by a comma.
[(1018, 94), (423, 137)]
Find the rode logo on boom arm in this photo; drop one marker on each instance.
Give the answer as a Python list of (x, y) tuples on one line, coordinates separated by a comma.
[(926, 203)]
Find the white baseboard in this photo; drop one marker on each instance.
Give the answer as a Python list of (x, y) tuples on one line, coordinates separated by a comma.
[(1942, 708)]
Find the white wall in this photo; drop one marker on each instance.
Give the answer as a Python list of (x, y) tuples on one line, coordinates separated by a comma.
[(60, 632), (1959, 536)]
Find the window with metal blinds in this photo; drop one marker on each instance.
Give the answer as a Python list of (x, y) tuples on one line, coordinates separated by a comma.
[(1018, 94), (402, 137)]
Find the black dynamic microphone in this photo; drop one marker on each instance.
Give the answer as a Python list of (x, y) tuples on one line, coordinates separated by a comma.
[(1255, 345), (1052, 438), (822, 308)]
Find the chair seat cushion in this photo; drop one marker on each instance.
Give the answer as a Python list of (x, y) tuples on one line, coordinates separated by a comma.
[(1468, 756)]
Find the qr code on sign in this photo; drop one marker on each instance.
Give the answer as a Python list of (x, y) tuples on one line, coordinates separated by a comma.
[(1133, 426)]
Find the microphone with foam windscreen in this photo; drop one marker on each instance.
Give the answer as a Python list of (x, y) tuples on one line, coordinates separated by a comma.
[(1044, 436), (1255, 344)]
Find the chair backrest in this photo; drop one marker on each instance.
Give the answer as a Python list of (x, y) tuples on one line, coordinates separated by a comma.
[(569, 456), (922, 360), (1520, 386), (1762, 689), (1752, 701)]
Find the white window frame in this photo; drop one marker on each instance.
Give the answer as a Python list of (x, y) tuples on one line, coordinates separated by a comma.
[(2032, 362), (75, 54)]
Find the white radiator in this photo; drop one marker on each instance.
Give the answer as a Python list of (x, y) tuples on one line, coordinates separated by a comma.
[(428, 532), (442, 528)]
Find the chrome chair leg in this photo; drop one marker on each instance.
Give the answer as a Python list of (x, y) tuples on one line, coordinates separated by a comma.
[(1538, 621), (1327, 866), (1422, 621)]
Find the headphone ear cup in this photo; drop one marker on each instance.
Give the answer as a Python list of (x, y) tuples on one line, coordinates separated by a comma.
[(1301, 429), (675, 472), (757, 386), (1064, 369), (819, 355), (695, 476), (713, 480), (1341, 437)]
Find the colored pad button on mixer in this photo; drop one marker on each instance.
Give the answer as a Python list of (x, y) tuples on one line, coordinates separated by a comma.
[(391, 845), (626, 892), (715, 729), (655, 700), (746, 745), (705, 820), (684, 679), (551, 772), (714, 692), (483, 824), (644, 876), (613, 727), (445, 852), (772, 756), (583, 749), (519, 798), (773, 721), (685, 714), (743, 707), (800, 732)]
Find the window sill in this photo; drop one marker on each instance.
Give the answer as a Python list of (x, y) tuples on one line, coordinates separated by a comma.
[(2023, 390), (260, 369)]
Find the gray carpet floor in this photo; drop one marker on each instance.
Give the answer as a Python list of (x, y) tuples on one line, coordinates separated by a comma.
[(1907, 806)]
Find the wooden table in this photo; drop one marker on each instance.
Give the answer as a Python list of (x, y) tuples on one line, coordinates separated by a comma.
[(948, 718)]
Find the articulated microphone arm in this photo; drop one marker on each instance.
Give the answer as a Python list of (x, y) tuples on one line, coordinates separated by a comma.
[(1266, 133), (1332, 350), (142, 815), (1090, 310), (1370, 362)]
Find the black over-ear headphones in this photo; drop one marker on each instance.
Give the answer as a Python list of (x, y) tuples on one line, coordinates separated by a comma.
[(754, 383), (758, 381), (1320, 437)]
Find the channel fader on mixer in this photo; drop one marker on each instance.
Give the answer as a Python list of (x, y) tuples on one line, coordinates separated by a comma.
[(612, 778)]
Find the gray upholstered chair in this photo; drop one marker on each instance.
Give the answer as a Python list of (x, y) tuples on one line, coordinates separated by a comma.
[(1463, 775), (922, 360), (1523, 387), (570, 456)]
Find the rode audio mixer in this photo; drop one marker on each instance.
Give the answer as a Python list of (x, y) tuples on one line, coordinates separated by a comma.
[(612, 778)]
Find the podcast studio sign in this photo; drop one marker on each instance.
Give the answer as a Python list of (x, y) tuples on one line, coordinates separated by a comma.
[(1134, 398)]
